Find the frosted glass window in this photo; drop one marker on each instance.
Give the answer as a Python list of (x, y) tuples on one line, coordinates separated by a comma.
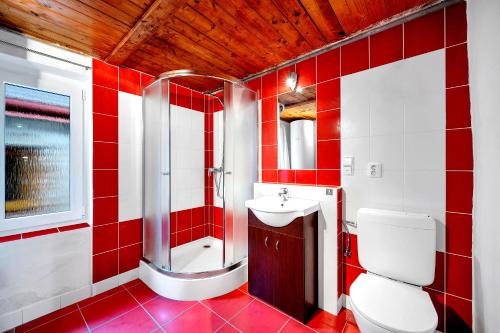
[(37, 152)]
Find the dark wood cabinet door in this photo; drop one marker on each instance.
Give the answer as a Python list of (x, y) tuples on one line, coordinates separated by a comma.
[(260, 264), (288, 277)]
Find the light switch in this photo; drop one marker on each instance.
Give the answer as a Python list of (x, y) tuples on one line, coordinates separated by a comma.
[(347, 165), (374, 170)]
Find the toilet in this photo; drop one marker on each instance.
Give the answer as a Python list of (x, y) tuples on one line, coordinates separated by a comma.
[(398, 250)]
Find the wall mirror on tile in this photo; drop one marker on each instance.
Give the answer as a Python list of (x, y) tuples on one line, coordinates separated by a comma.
[(297, 129)]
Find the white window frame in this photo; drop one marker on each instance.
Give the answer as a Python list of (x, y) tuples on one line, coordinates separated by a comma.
[(21, 72)]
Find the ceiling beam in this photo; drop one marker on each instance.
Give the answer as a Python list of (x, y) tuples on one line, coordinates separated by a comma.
[(150, 21)]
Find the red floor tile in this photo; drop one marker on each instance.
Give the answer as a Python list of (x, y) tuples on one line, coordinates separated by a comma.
[(100, 296), (293, 326), (323, 321), (351, 328), (109, 308), (197, 319), (163, 309), (259, 317), (72, 323), (229, 304), (142, 293), (135, 321), (228, 329), (244, 287)]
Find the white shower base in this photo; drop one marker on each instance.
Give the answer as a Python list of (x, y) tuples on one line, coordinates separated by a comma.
[(194, 258)]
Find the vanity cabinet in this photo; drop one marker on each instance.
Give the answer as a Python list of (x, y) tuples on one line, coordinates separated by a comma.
[(283, 264)]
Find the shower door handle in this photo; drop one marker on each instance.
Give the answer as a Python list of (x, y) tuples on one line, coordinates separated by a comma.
[(165, 173)]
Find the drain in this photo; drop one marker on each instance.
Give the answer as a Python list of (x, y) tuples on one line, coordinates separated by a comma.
[(207, 246)]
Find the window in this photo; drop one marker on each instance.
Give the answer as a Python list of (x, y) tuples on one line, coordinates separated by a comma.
[(41, 172), (37, 150)]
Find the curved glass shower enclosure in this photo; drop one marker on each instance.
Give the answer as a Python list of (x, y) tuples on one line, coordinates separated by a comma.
[(200, 163)]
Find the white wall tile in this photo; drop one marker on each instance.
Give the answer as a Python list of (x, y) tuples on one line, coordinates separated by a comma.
[(130, 127), (395, 114)]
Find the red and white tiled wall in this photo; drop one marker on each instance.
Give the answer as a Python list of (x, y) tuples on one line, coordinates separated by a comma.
[(442, 31)]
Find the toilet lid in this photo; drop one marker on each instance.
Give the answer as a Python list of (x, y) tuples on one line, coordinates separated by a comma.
[(393, 305)]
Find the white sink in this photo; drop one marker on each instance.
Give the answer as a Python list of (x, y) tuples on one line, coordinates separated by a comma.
[(275, 212)]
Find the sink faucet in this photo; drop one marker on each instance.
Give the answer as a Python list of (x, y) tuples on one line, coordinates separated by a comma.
[(284, 193)]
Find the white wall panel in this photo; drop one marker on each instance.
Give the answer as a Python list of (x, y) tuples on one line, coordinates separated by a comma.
[(395, 115), (218, 151), (130, 128), (187, 158)]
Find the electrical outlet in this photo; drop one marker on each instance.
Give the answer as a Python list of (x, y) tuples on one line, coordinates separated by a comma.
[(374, 170), (329, 191)]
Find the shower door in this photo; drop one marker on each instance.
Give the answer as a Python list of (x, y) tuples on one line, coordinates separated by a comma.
[(156, 115), (240, 166)]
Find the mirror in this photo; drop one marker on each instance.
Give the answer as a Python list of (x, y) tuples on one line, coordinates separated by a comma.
[(297, 129)]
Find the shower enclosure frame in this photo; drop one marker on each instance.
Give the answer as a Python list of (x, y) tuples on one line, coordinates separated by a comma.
[(165, 252)]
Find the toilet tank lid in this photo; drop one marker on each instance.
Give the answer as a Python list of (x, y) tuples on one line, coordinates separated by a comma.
[(396, 218)]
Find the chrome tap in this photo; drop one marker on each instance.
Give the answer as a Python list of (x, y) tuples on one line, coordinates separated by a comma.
[(284, 193)]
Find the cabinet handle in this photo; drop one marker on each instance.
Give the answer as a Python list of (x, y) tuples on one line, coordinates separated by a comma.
[(265, 241), (277, 245)]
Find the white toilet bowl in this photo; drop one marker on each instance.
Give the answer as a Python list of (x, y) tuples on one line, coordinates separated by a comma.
[(382, 305)]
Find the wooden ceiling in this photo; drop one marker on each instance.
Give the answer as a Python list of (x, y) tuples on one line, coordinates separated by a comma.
[(233, 37)]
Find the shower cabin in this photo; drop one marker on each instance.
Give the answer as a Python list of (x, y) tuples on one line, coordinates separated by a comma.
[(200, 163)]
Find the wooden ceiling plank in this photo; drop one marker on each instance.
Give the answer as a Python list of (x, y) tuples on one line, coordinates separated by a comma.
[(324, 18), (299, 18), (274, 17), (118, 13), (222, 22), (52, 18), (350, 13), (144, 28), (43, 30), (258, 27), (213, 47)]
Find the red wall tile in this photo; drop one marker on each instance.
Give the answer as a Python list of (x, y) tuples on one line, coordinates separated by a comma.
[(269, 109), (10, 238), (456, 24), (457, 67), (255, 85), (350, 274), (197, 217), (105, 155), (269, 133), (424, 34), (354, 57), (305, 177), (39, 233), (328, 154), (197, 101), (270, 157), (459, 234), (457, 107), (328, 177), (129, 257), (328, 95), (306, 70), (353, 260), (130, 81), (218, 216), (105, 238), (105, 128), (130, 232), (105, 183), (184, 97), (105, 265), (328, 65), (438, 300), (269, 84), (104, 74), (105, 210), (459, 149), (438, 283), (104, 100), (183, 237), (286, 176), (328, 125), (459, 185), (184, 219), (146, 80), (386, 46), (458, 314), (459, 276), (270, 176), (198, 232)]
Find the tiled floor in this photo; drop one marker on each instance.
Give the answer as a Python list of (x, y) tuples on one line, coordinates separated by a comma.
[(134, 307)]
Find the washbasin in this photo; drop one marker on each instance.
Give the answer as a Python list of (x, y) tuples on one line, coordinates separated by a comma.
[(275, 212)]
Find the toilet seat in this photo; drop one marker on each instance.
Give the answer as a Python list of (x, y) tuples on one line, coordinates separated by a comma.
[(393, 305)]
